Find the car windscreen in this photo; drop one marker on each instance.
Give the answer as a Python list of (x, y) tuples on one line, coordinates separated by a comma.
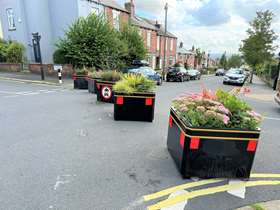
[(235, 72), (174, 70)]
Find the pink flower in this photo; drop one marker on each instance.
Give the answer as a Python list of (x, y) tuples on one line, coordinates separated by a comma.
[(226, 119), (223, 109)]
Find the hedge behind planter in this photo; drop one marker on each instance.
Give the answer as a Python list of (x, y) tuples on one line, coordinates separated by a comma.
[(134, 107), (105, 91), (211, 153)]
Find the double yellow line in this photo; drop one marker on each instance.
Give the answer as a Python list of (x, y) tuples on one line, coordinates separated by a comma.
[(203, 192)]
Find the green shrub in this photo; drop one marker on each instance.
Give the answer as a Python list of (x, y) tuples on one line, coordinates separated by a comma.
[(15, 53), (95, 74), (110, 76), (81, 72), (3, 50), (131, 83), (59, 57)]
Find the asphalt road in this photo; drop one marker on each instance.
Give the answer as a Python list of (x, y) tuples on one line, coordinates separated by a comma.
[(61, 150)]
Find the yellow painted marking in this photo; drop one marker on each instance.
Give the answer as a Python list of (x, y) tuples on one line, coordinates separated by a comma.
[(209, 191), (265, 176), (179, 187)]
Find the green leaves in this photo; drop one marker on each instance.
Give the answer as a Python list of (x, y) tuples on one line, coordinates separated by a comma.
[(258, 47), (11, 52), (93, 42), (131, 83)]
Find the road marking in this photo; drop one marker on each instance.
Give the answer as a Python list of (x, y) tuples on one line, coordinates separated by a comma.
[(265, 176), (177, 206), (238, 192), (272, 118), (180, 187), (209, 191)]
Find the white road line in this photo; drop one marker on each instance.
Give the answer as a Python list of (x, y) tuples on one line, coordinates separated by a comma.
[(13, 96), (30, 94), (272, 118)]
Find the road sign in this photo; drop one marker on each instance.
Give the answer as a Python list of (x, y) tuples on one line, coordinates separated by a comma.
[(106, 92), (57, 67)]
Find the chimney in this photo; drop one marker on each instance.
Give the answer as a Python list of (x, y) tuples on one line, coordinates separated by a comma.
[(130, 7), (181, 44), (157, 24)]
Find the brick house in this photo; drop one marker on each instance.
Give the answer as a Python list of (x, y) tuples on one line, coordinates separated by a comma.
[(153, 35), (186, 57), (19, 19)]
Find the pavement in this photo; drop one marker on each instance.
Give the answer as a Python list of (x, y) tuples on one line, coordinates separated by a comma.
[(62, 150), (28, 77)]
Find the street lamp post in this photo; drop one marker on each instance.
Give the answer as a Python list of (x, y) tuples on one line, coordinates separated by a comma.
[(277, 86), (165, 39)]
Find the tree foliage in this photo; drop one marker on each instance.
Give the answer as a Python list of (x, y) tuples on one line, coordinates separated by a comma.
[(223, 61), (235, 61), (93, 42), (135, 45), (11, 52), (258, 47)]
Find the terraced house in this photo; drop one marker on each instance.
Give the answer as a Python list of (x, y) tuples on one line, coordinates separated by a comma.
[(153, 34), (21, 18)]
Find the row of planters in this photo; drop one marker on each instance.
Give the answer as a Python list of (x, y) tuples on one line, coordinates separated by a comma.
[(133, 95), (210, 135)]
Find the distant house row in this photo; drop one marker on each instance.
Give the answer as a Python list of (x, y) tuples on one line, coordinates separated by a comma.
[(21, 18)]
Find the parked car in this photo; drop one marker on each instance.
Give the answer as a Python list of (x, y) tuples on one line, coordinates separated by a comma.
[(277, 97), (220, 72), (177, 74), (139, 63), (148, 73), (235, 76), (194, 74)]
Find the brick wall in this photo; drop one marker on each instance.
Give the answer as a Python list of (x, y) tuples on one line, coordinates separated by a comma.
[(49, 70), (10, 67)]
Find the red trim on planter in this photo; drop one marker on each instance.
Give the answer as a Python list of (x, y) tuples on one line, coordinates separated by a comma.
[(98, 86), (149, 102), (74, 76), (119, 100), (170, 121), (194, 144), (182, 139), (252, 146)]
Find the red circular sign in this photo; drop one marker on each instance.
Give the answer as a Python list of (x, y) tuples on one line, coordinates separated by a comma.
[(106, 92)]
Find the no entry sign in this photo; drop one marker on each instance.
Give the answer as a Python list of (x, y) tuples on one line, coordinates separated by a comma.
[(106, 92)]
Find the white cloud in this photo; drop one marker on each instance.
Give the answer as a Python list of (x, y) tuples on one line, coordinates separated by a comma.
[(213, 25)]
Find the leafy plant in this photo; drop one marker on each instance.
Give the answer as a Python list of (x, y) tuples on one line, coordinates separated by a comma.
[(131, 83), (81, 72), (216, 110), (112, 76), (15, 52), (95, 74)]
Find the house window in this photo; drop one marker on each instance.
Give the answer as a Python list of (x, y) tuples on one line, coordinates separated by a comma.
[(116, 19), (158, 42), (148, 39), (171, 44), (11, 19)]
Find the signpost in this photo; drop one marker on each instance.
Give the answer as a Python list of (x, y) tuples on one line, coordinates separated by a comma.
[(37, 51)]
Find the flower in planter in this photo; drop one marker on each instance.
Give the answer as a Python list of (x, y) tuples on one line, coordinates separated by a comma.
[(219, 110), (134, 83)]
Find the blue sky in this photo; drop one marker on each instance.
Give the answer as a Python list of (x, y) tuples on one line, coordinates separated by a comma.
[(214, 25)]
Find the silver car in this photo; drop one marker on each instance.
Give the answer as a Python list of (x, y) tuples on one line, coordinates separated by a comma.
[(235, 76)]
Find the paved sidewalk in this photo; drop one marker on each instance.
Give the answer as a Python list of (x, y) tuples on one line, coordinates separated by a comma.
[(260, 91), (35, 78), (270, 205)]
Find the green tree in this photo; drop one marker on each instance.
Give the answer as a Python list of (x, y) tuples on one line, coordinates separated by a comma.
[(92, 42), (223, 61), (258, 47), (135, 45), (15, 52), (235, 61), (198, 56), (3, 50)]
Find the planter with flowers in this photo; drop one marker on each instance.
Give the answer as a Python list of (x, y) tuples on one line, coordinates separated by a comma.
[(92, 78), (105, 84), (80, 79), (134, 99), (213, 135)]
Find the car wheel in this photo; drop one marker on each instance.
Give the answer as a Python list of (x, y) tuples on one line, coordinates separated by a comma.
[(182, 79), (167, 79)]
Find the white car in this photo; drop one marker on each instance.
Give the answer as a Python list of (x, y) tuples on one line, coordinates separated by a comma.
[(235, 76)]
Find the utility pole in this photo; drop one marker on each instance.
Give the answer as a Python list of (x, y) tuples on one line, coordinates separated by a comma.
[(37, 52), (165, 39)]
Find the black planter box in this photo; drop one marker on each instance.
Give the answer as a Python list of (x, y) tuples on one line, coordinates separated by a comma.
[(105, 91), (92, 87), (134, 107), (80, 82), (211, 153)]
